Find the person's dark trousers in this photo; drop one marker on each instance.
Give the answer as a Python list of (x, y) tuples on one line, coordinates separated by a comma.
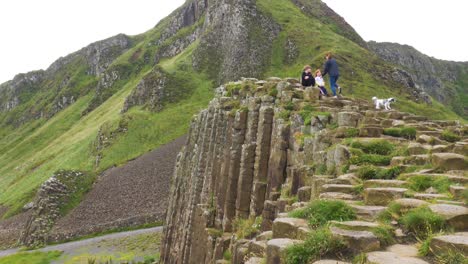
[(333, 80)]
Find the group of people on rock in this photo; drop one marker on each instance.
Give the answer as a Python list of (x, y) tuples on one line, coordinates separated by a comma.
[(330, 68)]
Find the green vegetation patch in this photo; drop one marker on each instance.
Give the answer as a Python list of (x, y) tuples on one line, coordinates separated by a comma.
[(450, 136), (31, 258), (319, 212), (379, 147), (371, 172), (247, 228), (420, 183), (404, 132), (422, 222), (318, 244)]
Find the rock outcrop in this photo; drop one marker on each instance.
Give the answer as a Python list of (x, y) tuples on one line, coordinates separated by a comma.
[(440, 79), (251, 154), (49, 205)]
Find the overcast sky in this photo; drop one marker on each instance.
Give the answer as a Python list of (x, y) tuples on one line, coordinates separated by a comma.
[(35, 33)]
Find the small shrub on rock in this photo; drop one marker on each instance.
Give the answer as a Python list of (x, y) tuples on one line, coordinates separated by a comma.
[(422, 222), (421, 183), (372, 159), (320, 243), (372, 172), (247, 228), (450, 136), (319, 212), (379, 147), (405, 132)]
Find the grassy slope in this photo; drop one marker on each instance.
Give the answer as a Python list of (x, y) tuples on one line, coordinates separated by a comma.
[(315, 39), (31, 154)]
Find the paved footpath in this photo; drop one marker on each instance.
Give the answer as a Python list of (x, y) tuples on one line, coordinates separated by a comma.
[(70, 247)]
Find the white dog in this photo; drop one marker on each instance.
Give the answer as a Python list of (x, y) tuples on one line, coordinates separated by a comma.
[(383, 103)]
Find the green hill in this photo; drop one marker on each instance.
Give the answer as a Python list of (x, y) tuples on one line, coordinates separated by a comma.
[(121, 97)]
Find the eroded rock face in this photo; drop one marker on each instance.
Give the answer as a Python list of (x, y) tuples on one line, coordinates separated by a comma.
[(52, 196)]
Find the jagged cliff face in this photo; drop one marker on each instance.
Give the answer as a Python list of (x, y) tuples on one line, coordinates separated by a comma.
[(445, 81), (261, 145), (44, 93)]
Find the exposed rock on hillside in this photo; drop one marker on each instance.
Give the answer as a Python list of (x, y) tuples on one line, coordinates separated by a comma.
[(444, 80), (264, 148), (48, 206)]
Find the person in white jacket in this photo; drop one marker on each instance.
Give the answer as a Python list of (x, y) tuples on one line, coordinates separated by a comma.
[(320, 82)]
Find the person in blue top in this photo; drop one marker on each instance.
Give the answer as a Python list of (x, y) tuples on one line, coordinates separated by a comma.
[(331, 68)]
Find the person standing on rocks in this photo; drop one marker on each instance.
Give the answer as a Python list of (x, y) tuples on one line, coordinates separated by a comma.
[(331, 68), (307, 77)]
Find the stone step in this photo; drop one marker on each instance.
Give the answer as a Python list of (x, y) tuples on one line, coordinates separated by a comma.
[(411, 160), (432, 133), (304, 193), (337, 196), (355, 225), (293, 228), (383, 183), (425, 139), (382, 196), (349, 179), (384, 257), (276, 248), (450, 161), (341, 188), (368, 212), (430, 196), (357, 241), (457, 191), (410, 203), (456, 241), (330, 261), (403, 250), (255, 260), (455, 215)]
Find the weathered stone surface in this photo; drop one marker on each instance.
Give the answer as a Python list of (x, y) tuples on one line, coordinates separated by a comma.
[(409, 203), (342, 188), (382, 196), (288, 227), (403, 250), (312, 94), (383, 183), (457, 191), (336, 196), (350, 179), (357, 241), (304, 194), (383, 257), (329, 261), (416, 149), (456, 216), (348, 119), (430, 196), (450, 161), (257, 248), (456, 242), (368, 212), (255, 260), (267, 235), (275, 249), (371, 131), (355, 225)]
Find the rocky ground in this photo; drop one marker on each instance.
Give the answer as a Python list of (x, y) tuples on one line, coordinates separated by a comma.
[(273, 173), (131, 195)]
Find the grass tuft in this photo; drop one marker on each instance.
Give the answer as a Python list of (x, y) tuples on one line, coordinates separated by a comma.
[(318, 244), (319, 212), (422, 222)]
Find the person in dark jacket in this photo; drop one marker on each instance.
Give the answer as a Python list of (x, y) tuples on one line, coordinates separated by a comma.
[(307, 77), (331, 68)]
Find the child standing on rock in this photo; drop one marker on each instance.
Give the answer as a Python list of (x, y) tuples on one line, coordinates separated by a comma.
[(320, 82), (307, 77)]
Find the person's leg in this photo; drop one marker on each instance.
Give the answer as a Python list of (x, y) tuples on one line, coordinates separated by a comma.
[(337, 85), (333, 84)]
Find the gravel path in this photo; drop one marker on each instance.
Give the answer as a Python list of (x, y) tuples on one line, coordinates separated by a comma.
[(130, 195), (70, 247)]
